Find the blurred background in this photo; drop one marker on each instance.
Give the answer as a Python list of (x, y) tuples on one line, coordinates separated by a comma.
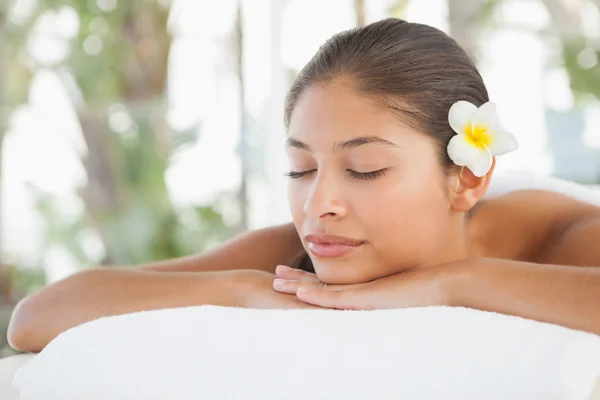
[(133, 131)]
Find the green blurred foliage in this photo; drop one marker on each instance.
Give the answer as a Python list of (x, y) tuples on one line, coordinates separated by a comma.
[(584, 81), (119, 97)]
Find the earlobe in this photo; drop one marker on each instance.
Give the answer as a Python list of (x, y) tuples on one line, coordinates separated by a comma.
[(469, 189)]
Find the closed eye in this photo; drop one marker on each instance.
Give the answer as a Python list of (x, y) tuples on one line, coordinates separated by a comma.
[(353, 174), (367, 175), (296, 175)]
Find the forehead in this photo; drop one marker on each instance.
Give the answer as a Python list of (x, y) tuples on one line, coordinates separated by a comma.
[(335, 112)]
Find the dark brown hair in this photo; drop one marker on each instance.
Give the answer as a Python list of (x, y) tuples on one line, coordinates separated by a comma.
[(415, 70)]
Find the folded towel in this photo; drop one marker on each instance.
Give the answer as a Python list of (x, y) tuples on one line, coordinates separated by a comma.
[(209, 352), (8, 366)]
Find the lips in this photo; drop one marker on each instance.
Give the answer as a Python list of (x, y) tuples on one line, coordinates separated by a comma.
[(331, 246)]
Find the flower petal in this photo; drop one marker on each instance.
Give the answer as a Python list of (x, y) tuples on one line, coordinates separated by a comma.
[(502, 142), (463, 153), (460, 115), (482, 164), (485, 117)]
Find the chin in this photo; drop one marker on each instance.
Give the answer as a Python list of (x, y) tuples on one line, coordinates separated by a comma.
[(350, 273), (341, 274)]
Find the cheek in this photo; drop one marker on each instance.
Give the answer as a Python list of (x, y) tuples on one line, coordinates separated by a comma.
[(398, 211), (415, 195), (404, 219), (297, 194)]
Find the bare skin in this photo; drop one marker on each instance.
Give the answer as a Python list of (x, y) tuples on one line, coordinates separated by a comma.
[(426, 238), (530, 231), (533, 254), (240, 272)]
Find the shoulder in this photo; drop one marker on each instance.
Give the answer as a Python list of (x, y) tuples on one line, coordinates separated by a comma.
[(524, 223), (536, 204)]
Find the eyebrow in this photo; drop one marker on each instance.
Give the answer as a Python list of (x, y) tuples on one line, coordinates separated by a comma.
[(349, 144)]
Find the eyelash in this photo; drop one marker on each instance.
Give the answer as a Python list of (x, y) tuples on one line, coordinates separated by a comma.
[(353, 174)]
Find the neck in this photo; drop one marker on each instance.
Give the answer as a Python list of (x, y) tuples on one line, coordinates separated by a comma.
[(455, 244)]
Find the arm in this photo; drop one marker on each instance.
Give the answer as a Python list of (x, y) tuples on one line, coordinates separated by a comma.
[(560, 285), (567, 296), (263, 250), (99, 292), (561, 295), (559, 290)]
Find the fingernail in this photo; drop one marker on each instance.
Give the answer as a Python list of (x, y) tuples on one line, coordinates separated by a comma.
[(282, 268), (279, 283)]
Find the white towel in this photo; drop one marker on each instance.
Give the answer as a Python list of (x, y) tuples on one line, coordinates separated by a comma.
[(8, 366), (215, 353)]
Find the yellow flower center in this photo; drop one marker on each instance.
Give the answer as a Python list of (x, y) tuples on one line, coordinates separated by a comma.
[(478, 136)]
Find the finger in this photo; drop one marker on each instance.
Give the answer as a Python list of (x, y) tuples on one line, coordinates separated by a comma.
[(293, 274), (338, 299), (285, 286), (291, 287)]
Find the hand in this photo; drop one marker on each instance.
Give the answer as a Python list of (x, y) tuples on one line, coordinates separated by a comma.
[(413, 288), (255, 290)]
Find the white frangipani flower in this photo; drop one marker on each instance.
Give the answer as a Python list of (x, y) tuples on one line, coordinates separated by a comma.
[(478, 138)]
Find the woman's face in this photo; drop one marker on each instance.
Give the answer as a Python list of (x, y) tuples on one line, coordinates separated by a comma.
[(367, 195)]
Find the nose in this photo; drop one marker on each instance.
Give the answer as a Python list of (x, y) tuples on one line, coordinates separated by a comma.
[(324, 200)]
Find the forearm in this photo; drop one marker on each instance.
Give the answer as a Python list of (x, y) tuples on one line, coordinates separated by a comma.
[(262, 250), (104, 292), (172, 283), (567, 296)]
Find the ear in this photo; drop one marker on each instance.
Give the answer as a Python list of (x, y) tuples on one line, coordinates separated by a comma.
[(468, 189)]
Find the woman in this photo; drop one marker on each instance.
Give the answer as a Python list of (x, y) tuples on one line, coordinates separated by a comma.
[(390, 141)]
